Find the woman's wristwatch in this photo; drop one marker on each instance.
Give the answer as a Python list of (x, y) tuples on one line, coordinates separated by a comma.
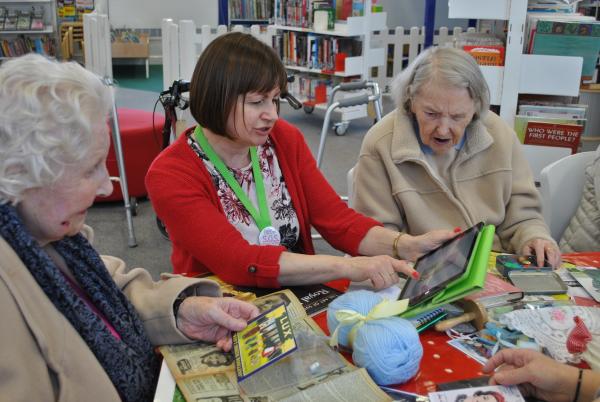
[(177, 303), (187, 292)]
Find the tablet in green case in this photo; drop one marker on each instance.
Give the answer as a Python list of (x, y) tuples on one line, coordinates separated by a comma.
[(470, 282)]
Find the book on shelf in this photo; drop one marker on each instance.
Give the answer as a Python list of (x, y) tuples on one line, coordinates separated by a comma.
[(250, 9), (569, 38), (555, 132), (486, 55), (534, 17), (551, 6), (358, 8), (310, 89), (496, 291), (66, 10), (37, 19), (301, 49), (300, 13), (323, 19), (24, 44), (487, 49), (10, 22), (343, 9), (553, 110), (3, 13), (296, 13), (588, 9), (24, 20)]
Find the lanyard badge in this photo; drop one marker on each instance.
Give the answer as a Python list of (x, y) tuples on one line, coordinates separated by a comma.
[(268, 234)]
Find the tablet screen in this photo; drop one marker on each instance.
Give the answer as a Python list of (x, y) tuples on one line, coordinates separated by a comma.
[(441, 266)]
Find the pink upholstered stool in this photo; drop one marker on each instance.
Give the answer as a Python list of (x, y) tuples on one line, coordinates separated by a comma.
[(141, 141)]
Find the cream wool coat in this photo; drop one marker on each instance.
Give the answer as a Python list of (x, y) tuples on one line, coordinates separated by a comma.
[(490, 181), (43, 358)]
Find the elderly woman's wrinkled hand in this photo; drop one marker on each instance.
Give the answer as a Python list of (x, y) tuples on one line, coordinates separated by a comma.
[(412, 247), (212, 319), (543, 250), (536, 374), (381, 270)]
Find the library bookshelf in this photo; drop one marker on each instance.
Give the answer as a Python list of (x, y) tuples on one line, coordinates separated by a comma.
[(521, 73), (352, 67), (21, 36)]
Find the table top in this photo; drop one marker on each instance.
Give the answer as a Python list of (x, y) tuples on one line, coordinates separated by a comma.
[(441, 362)]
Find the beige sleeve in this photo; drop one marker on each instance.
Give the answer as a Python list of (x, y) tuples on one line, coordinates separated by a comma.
[(25, 375), (372, 193), (523, 220), (154, 300)]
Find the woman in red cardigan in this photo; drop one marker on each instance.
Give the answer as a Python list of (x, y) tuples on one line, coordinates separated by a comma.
[(239, 192)]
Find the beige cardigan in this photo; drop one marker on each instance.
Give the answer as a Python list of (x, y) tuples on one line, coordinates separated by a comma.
[(490, 181), (43, 358)]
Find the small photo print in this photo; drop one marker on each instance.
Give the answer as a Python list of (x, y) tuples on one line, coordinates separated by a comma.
[(589, 278), (267, 302), (492, 393), (473, 348)]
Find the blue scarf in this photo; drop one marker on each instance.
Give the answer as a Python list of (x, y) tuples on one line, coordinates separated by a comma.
[(129, 362)]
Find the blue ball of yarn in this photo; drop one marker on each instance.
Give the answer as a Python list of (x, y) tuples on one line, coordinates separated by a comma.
[(389, 348), (361, 301)]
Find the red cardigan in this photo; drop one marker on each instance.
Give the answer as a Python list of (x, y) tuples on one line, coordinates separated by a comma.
[(185, 199)]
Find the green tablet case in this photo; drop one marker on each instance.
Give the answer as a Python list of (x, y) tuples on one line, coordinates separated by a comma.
[(470, 282)]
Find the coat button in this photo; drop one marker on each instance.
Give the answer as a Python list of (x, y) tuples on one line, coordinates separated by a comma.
[(252, 269)]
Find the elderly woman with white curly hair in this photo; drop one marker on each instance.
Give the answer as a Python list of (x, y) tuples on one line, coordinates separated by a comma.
[(442, 160), (76, 326)]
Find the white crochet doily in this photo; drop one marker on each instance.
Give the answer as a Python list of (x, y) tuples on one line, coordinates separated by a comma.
[(551, 326)]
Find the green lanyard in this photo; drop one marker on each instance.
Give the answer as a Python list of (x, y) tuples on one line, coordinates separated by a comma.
[(261, 217)]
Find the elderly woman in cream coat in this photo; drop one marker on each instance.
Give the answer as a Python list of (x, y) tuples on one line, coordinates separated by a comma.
[(77, 327), (441, 160)]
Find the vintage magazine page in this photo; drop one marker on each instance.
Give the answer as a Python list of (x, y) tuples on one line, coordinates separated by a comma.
[(196, 358), (229, 290), (300, 320), (353, 386), (202, 371), (313, 372)]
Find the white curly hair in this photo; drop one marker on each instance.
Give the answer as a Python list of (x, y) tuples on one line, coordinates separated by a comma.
[(443, 65), (49, 112)]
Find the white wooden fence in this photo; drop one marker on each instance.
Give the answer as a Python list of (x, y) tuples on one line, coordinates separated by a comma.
[(96, 34), (395, 42), (183, 43)]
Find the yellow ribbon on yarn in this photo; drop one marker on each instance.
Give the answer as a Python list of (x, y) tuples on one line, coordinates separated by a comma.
[(384, 309)]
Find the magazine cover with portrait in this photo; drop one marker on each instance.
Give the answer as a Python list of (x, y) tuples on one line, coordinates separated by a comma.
[(492, 393)]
